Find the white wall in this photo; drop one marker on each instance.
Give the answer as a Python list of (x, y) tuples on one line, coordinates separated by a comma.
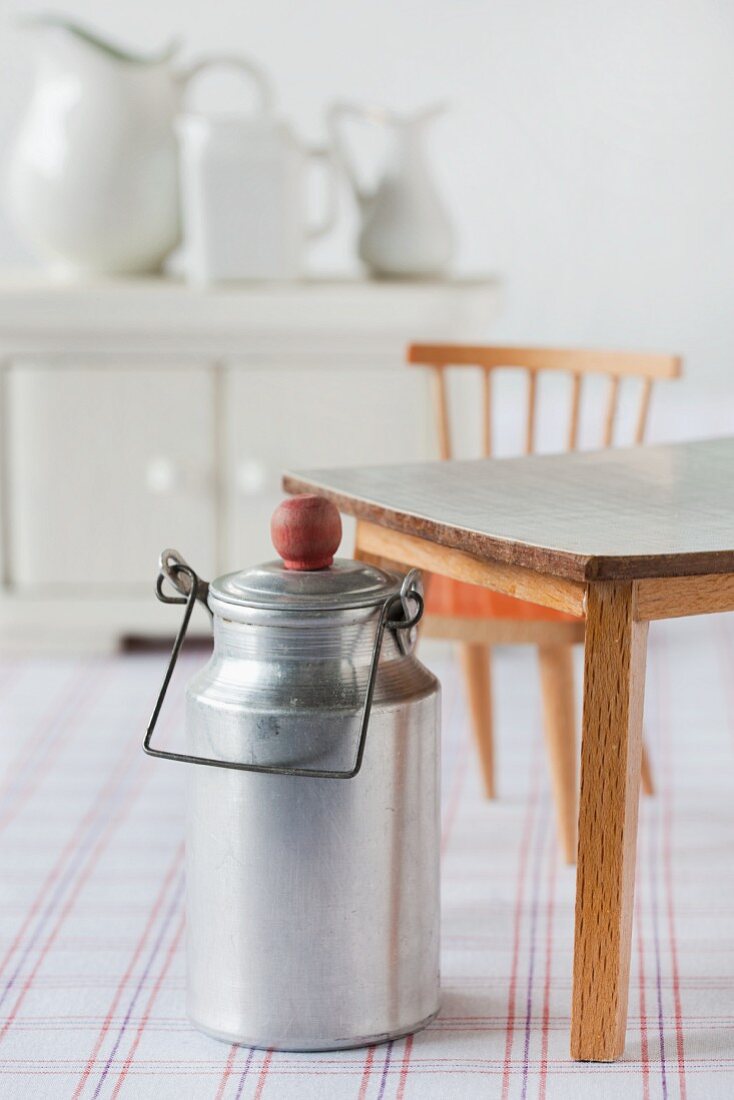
[(588, 158)]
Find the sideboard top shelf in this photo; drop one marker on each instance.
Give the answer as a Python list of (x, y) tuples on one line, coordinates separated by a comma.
[(160, 315), (36, 282)]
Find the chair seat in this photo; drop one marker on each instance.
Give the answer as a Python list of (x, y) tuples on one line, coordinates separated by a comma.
[(457, 599)]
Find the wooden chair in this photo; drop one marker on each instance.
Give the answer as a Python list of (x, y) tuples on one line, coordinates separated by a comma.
[(478, 618)]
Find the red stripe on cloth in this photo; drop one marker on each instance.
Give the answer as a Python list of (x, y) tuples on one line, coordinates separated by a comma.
[(172, 948), (263, 1075), (227, 1071), (552, 879), (155, 910), (368, 1063), (404, 1066), (667, 822), (517, 921), (644, 1045)]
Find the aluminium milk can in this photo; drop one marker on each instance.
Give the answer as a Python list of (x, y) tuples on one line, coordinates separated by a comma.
[(312, 823)]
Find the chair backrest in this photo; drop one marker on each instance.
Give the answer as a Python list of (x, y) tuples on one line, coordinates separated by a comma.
[(616, 366)]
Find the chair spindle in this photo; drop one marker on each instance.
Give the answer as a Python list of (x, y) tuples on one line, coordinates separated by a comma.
[(442, 413), (643, 411), (532, 402), (573, 427), (611, 413), (487, 412)]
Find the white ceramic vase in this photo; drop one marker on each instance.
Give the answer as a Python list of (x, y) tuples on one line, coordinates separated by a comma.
[(93, 176), (405, 228)]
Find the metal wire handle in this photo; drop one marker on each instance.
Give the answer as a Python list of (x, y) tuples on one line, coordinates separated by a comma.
[(174, 568)]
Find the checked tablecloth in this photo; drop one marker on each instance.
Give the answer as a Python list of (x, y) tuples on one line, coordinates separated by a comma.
[(91, 901)]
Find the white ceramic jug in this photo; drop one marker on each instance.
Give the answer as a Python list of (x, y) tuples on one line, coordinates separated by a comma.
[(93, 176), (405, 230), (243, 189)]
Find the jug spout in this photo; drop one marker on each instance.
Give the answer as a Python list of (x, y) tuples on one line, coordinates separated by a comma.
[(425, 115), (337, 115), (407, 138), (57, 31)]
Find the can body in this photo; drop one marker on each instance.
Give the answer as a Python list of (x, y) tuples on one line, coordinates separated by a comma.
[(313, 904)]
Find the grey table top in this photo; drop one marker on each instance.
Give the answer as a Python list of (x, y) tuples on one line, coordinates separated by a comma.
[(647, 511)]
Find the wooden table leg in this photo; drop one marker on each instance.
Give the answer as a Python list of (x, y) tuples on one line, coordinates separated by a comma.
[(559, 727), (611, 746), (476, 663)]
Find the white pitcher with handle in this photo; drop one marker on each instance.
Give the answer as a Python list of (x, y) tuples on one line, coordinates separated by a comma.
[(244, 190), (93, 176), (405, 230)]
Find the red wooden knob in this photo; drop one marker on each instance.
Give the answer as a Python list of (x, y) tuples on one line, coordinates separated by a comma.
[(306, 531)]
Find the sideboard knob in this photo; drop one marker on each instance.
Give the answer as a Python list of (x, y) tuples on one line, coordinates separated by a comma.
[(162, 476), (252, 477)]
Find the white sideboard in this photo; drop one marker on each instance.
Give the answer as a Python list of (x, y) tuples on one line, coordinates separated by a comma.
[(143, 414)]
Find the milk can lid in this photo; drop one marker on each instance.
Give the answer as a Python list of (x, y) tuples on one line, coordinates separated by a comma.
[(306, 531)]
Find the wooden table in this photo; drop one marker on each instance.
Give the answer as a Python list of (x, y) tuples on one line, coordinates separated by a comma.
[(622, 537)]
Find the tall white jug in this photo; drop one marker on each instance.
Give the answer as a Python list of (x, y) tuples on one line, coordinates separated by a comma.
[(93, 175), (405, 228)]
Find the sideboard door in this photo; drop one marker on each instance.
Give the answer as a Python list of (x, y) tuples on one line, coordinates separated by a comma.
[(107, 467)]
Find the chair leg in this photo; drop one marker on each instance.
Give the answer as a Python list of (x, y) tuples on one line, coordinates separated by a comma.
[(476, 660), (559, 724), (648, 786)]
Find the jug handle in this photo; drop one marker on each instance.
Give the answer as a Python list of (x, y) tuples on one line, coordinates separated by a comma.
[(326, 156), (263, 87), (337, 114), (394, 616)]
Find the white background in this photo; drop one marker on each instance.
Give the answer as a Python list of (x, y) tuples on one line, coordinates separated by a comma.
[(587, 158)]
